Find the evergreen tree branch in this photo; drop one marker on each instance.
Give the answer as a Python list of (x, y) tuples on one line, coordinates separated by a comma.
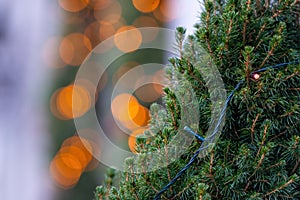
[(279, 188), (211, 162), (292, 75), (228, 34), (278, 135), (253, 126), (294, 88), (181, 192), (261, 158), (267, 4), (295, 167), (246, 21), (269, 54), (263, 139), (275, 165), (168, 170), (259, 6), (247, 163), (295, 2), (276, 14), (133, 189), (207, 35), (146, 177)]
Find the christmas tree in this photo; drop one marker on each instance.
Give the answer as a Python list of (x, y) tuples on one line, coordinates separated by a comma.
[(255, 150)]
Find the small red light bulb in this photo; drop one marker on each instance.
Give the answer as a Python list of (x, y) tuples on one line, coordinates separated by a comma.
[(256, 76)]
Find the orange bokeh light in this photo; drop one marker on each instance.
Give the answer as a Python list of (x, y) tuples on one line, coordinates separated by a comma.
[(127, 110), (74, 156), (132, 139), (53, 106), (74, 48), (73, 5), (145, 6), (106, 30), (65, 169), (140, 120), (160, 81), (121, 22), (91, 31), (83, 144), (146, 21), (81, 156), (99, 4), (73, 101), (128, 38), (90, 88), (112, 13), (142, 117), (98, 31), (147, 92), (167, 11), (124, 107), (89, 139)]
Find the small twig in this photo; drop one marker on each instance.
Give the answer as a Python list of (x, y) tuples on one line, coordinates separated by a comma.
[(179, 193), (290, 76), (133, 184), (278, 135), (265, 24), (260, 160), (270, 53), (228, 34), (281, 187), (207, 29), (295, 167), (294, 88), (275, 165), (246, 22), (253, 126), (226, 155), (147, 179), (211, 162), (168, 171), (287, 114), (263, 140)]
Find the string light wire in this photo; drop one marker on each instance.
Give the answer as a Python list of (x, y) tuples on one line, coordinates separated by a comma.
[(223, 111)]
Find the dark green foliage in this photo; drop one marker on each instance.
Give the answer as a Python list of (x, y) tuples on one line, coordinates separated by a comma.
[(258, 153)]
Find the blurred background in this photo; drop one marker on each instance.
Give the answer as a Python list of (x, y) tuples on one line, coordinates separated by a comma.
[(42, 45)]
